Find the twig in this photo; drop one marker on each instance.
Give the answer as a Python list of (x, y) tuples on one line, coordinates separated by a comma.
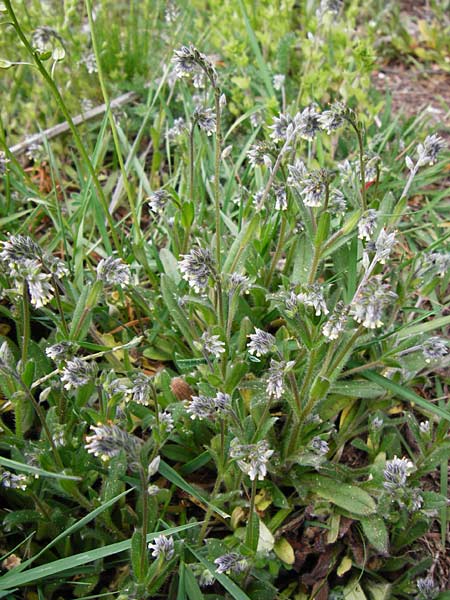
[(56, 130)]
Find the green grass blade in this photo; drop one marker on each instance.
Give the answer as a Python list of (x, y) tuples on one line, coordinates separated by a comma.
[(424, 327), (264, 71), (13, 464), (225, 581), (77, 525), (13, 579), (412, 397)]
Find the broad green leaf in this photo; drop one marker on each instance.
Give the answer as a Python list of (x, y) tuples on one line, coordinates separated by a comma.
[(170, 264), (350, 497), (284, 551), (240, 246), (376, 532), (353, 591), (379, 591), (169, 293)]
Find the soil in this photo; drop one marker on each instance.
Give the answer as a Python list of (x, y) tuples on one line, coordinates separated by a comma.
[(414, 86)]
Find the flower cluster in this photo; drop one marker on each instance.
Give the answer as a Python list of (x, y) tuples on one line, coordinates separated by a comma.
[(23, 260), (211, 345), (231, 563), (188, 61), (108, 441), (252, 459), (77, 372), (197, 267), (13, 481), (336, 322), (113, 271), (209, 408), (162, 546), (261, 342), (275, 380), (367, 307)]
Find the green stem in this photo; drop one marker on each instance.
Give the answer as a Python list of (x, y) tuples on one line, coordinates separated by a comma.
[(41, 416), (25, 325), (60, 308), (60, 102), (251, 516), (217, 176), (143, 557), (315, 264), (278, 251), (209, 510), (361, 163)]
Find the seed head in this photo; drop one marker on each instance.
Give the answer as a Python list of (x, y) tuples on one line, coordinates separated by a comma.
[(181, 389)]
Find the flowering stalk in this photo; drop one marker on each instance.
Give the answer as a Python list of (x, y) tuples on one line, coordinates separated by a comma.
[(251, 516), (144, 492), (278, 250), (78, 141), (362, 167), (25, 325)]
